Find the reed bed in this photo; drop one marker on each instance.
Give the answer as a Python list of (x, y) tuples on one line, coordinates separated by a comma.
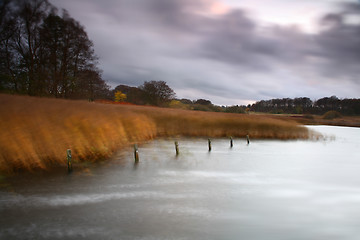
[(35, 132)]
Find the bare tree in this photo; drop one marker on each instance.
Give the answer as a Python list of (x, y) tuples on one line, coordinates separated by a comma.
[(29, 17), (43, 53)]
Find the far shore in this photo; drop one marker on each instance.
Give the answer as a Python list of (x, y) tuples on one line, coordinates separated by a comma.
[(345, 121)]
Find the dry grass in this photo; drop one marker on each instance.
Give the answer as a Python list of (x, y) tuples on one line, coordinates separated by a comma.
[(35, 132), (174, 122)]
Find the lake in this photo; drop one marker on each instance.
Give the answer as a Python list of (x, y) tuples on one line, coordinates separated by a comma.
[(269, 189)]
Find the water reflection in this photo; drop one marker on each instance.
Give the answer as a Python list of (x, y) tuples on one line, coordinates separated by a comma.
[(265, 190)]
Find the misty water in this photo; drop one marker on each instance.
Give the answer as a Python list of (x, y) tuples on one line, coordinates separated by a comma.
[(269, 189)]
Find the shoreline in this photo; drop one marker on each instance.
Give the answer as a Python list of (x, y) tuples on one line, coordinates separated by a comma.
[(36, 132), (345, 121)]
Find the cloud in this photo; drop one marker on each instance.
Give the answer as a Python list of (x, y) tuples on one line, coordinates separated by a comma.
[(205, 49), (238, 40), (339, 44)]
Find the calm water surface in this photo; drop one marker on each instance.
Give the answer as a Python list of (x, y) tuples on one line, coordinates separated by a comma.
[(266, 190)]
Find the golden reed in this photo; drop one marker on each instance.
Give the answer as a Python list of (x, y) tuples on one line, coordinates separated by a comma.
[(35, 132)]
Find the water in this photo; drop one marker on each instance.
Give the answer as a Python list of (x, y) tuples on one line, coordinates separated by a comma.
[(266, 190)]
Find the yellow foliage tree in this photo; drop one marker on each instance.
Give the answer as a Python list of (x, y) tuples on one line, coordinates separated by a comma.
[(178, 104), (119, 96)]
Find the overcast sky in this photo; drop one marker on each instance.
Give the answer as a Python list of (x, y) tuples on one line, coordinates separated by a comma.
[(227, 51)]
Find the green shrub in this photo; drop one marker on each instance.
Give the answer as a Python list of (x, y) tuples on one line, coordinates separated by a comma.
[(331, 115), (177, 104)]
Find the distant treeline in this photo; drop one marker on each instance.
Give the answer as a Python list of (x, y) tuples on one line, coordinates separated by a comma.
[(304, 105), (158, 93), (150, 93)]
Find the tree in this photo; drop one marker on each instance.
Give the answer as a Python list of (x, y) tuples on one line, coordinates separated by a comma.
[(203, 102), (7, 28), (133, 94), (119, 96), (235, 109), (45, 54), (186, 101), (69, 52), (89, 85), (157, 92), (27, 44), (328, 103)]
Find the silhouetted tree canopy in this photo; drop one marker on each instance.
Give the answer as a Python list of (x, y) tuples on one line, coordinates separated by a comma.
[(157, 92), (186, 101), (46, 54), (203, 102)]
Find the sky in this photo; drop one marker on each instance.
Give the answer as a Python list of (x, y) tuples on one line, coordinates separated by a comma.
[(231, 52)]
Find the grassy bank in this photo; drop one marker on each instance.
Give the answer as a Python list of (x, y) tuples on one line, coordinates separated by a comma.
[(35, 132), (346, 121)]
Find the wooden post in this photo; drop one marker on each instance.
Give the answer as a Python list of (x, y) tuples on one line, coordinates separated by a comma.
[(209, 141), (247, 139), (231, 142), (136, 153), (177, 148), (69, 164)]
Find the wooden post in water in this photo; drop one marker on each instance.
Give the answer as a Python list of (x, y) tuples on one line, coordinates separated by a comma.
[(247, 139), (69, 164), (136, 153), (177, 148), (209, 141), (231, 142)]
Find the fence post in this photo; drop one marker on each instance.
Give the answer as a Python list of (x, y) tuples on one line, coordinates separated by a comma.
[(69, 164), (209, 141), (136, 153), (177, 147)]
